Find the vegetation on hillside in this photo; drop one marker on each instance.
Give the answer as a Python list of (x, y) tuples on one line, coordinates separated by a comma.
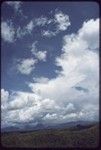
[(86, 138)]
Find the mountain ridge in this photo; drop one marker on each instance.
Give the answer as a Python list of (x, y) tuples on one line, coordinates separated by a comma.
[(40, 126)]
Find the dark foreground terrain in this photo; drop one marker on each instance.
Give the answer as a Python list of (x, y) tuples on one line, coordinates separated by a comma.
[(67, 137)]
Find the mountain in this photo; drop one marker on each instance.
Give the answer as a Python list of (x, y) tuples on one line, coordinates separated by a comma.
[(40, 126)]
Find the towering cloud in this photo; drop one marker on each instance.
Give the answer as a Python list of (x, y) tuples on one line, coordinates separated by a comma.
[(72, 95)]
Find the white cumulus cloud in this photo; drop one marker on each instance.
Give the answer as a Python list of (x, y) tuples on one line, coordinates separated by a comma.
[(26, 66), (49, 33), (62, 21), (40, 55), (30, 26), (16, 5), (41, 21), (8, 31), (41, 80), (90, 33)]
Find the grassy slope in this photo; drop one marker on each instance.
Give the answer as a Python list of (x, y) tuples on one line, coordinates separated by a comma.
[(53, 138)]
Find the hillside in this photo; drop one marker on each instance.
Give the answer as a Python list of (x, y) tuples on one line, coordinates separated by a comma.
[(66, 137)]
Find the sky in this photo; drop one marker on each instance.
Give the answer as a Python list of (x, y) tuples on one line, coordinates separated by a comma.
[(49, 62)]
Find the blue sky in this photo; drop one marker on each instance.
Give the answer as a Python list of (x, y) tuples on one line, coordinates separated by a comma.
[(49, 48)]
